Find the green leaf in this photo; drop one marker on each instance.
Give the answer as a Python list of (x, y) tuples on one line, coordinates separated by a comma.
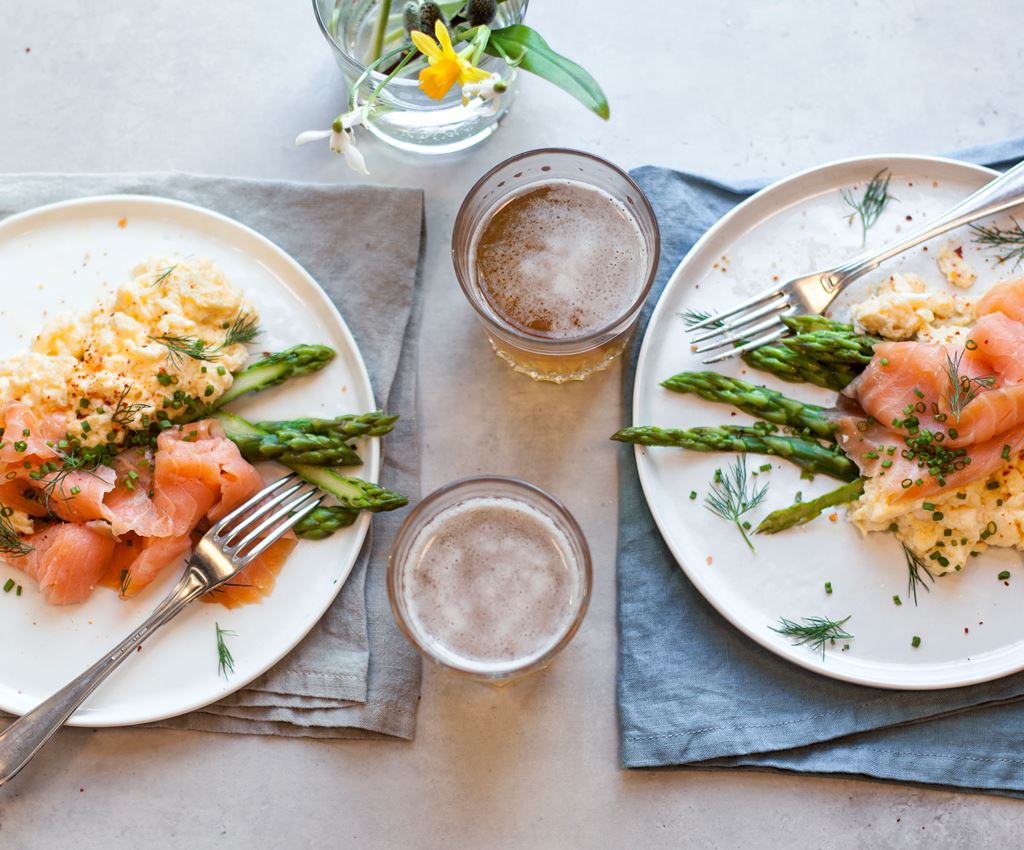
[(529, 51)]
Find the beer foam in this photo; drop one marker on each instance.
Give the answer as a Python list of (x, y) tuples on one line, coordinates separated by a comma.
[(561, 260), (491, 581)]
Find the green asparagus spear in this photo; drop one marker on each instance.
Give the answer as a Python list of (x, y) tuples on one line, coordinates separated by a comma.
[(792, 366), (373, 424), (761, 402), (801, 512), (354, 493), (287, 445), (277, 368), (834, 346), (808, 454), (813, 322), (351, 492), (323, 521)]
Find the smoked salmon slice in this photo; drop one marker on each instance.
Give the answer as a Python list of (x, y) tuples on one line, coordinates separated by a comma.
[(67, 560), (924, 417)]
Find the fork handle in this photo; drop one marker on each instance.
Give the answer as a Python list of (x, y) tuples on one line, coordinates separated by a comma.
[(1004, 192), (27, 735)]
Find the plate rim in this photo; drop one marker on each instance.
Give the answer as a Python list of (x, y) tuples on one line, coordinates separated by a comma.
[(645, 472), (372, 464)]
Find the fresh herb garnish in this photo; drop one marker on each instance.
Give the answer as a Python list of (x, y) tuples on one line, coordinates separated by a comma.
[(225, 661), (166, 273), (814, 632), (11, 544), (963, 389), (126, 582), (732, 495), (124, 414), (1009, 241), (695, 317), (915, 567), (244, 329), (870, 206)]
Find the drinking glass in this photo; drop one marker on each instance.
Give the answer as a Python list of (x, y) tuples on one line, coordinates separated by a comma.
[(545, 359), (432, 646)]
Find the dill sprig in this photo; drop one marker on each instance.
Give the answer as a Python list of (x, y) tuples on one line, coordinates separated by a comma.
[(814, 632), (869, 207), (963, 389), (732, 495), (55, 476), (1009, 240), (694, 317), (244, 329), (11, 544), (225, 661), (915, 565), (124, 414), (166, 273)]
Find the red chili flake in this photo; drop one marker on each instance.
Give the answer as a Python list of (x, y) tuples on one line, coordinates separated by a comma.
[(966, 630), (910, 218), (122, 223), (959, 251)]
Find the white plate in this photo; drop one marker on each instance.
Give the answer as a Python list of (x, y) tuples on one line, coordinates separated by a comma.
[(969, 623), (65, 256)]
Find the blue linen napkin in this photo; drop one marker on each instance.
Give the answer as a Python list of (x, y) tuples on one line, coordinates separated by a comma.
[(693, 691)]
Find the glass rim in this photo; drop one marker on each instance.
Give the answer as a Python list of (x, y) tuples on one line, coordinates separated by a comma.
[(359, 68), (604, 330), (585, 567)]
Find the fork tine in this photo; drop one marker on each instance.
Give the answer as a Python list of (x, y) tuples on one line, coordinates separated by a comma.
[(278, 532), (241, 509), (272, 520), (753, 301), (226, 534), (745, 319), (746, 332), (754, 343)]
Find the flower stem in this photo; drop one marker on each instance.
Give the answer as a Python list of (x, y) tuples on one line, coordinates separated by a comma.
[(369, 69), (398, 68), (382, 26)]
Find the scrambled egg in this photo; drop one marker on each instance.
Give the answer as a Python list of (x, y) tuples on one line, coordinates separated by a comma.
[(945, 531), (110, 370), (903, 308), (955, 268)]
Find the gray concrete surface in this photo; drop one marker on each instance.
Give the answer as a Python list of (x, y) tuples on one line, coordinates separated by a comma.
[(733, 89)]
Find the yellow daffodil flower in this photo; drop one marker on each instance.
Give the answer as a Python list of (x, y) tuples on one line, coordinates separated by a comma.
[(446, 66)]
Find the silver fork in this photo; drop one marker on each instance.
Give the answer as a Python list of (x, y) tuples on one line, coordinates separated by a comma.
[(226, 549), (758, 320)]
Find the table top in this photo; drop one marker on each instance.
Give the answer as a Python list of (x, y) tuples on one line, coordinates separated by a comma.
[(741, 89)]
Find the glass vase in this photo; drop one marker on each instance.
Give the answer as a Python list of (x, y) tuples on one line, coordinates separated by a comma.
[(403, 115)]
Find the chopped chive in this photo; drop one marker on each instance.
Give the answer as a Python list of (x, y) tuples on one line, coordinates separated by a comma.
[(86, 427), (928, 506), (918, 393), (896, 600), (221, 370), (828, 587), (937, 515), (17, 591), (884, 361), (9, 585), (764, 467), (915, 641), (992, 485), (693, 494), (1005, 454), (1004, 575)]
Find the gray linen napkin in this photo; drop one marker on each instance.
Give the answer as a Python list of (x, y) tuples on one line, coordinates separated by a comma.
[(693, 691), (354, 676)]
